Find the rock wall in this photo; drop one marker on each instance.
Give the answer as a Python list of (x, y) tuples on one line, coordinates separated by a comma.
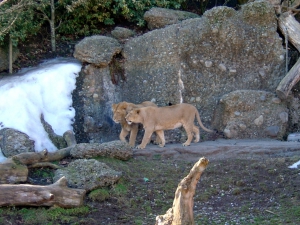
[(195, 61)]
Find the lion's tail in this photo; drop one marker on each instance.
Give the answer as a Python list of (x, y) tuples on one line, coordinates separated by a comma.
[(201, 124)]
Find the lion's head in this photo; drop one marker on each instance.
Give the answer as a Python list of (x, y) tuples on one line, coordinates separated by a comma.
[(119, 111), (134, 116)]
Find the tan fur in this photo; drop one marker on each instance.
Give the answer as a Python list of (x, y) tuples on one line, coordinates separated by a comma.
[(167, 118), (120, 110)]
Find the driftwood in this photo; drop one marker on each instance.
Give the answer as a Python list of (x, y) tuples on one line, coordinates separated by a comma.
[(182, 211), (290, 26), (57, 194), (43, 156), (12, 172)]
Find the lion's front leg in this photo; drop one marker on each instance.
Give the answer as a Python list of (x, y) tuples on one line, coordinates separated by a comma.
[(133, 134), (123, 134), (146, 139)]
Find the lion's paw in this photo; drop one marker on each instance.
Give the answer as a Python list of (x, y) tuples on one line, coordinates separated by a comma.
[(161, 145), (185, 144), (140, 147)]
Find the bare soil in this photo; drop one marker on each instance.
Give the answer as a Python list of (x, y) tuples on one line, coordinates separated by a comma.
[(246, 182)]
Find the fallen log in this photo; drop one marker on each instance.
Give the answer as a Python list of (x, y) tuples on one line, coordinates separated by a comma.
[(28, 158), (58, 194), (11, 172), (289, 25), (182, 210)]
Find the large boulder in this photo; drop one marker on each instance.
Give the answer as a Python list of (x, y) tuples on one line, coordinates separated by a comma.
[(88, 174), (195, 61), (200, 60), (252, 114), (13, 142), (97, 50), (160, 17)]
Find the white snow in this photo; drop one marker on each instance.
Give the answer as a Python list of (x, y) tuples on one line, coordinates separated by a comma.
[(46, 89)]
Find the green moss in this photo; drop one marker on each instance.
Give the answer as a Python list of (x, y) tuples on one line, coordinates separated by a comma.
[(99, 195)]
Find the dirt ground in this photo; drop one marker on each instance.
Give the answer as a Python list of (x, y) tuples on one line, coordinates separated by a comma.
[(246, 182)]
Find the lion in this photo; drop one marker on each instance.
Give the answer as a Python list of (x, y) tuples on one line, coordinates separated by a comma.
[(120, 110), (167, 118)]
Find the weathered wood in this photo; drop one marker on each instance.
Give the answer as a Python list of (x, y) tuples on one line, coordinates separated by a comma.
[(58, 194), (44, 164), (288, 24), (12, 173), (182, 211), (289, 81), (43, 156)]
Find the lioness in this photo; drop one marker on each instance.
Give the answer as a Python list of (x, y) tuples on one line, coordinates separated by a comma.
[(167, 118), (120, 110)]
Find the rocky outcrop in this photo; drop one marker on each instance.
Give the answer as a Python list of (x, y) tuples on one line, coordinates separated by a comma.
[(195, 61), (161, 17), (88, 174)]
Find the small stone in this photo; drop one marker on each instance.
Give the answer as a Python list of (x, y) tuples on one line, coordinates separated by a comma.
[(232, 70), (243, 126), (276, 100), (237, 113), (222, 67), (227, 133), (284, 116), (262, 72), (263, 98), (259, 120), (208, 63), (95, 95), (198, 99), (272, 131)]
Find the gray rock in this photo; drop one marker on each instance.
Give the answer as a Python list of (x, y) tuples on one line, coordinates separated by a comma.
[(88, 174), (13, 142), (180, 63), (260, 119), (161, 17), (97, 50), (114, 149), (122, 33), (57, 140)]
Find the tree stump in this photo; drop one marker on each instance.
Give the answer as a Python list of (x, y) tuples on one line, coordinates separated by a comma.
[(58, 194), (182, 211)]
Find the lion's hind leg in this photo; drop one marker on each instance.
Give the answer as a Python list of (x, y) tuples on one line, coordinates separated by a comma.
[(161, 137), (189, 133), (196, 132)]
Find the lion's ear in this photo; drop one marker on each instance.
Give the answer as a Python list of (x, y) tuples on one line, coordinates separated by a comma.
[(114, 107)]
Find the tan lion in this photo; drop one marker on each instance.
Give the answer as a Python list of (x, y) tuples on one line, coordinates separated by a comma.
[(167, 118), (120, 110)]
